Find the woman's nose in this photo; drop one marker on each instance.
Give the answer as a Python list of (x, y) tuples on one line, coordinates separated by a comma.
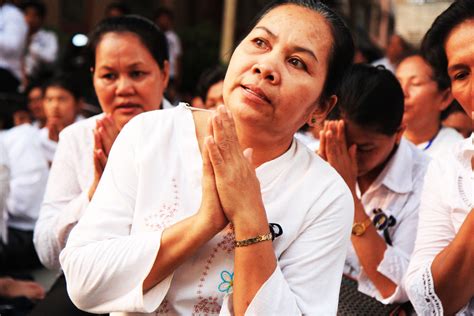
[(405, 88), (267, 72), (124, 86)]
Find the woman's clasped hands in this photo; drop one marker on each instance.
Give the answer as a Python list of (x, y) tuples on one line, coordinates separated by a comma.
[(105, 134), (333, 148), (231, 190)]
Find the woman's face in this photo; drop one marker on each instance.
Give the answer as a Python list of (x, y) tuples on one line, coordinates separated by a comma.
[(423, 100), (127, 79), (60, 105), (35, 103), (277, 73), (214, 95), (459, 48), (373, 148)]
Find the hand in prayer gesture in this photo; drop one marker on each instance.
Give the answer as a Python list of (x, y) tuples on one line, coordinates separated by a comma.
[(105, 134), (236, 180), (333, 148)]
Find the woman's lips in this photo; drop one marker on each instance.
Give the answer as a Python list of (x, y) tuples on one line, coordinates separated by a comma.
[(255, 93), (129, 108)]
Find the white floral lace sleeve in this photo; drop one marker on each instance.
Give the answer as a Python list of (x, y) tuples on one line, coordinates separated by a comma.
[(442, 212)]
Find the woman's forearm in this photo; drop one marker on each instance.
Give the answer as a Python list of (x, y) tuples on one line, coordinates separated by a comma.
[(253, 264), (178, 242), (452, 270), (370, 249)]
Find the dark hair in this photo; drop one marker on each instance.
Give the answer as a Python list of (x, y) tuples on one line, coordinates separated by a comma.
[(36, 5), (432, 46), (33, 84), (370, 97), (65, 81), (365, 46), (342, 50), (120, 6), (148, 33), (208, 78), (163, 11), (454, 107)]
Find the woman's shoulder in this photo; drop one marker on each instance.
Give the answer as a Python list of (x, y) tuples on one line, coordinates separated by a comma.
[(156, 119), (449, 135), (81, 128)]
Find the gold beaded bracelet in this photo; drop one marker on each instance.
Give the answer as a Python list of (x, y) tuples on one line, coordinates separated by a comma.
[(254, 240)]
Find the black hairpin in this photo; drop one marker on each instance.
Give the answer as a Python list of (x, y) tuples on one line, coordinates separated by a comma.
[(276, 230)]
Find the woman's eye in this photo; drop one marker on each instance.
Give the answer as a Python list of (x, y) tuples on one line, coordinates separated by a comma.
[(260, 43), (297, 63), (460, 75), (109, 76), (137, 74)]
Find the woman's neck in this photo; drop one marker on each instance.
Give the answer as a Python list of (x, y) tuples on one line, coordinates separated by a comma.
[(418, 133), (264, 149)]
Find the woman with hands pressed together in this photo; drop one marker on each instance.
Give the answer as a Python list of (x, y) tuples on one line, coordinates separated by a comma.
[(384, 172), (179, 223), (128, 57), (440, 278)]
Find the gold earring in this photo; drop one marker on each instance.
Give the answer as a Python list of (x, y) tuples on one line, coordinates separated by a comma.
[(313, 121)]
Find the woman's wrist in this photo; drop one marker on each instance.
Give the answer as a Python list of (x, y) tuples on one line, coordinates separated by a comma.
[(250, 225), (207, 225)]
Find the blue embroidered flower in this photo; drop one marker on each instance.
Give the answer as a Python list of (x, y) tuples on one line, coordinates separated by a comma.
[(227, 281)]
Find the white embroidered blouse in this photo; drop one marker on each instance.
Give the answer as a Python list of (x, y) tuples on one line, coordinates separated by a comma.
[(447, 199), (67, 192), (153, 180), (66, 197), (397, 191)]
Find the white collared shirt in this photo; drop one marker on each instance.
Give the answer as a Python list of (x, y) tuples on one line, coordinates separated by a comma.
[(28, 176), (308, 139), (66, 197), (4, 190), (43, 49), (447, 199), (49, 146), (153, 180), (13, 33), (446, 138), (397, 191), (67, 192)]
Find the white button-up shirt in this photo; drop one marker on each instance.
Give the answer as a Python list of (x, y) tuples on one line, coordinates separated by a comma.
[(28, 176), (13, 33), (397, 191), (153, 180), (447, 199)]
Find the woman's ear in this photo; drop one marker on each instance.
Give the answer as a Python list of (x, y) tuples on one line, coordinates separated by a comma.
[(446, 100), (166, 73), (399, 134), (322, 110)]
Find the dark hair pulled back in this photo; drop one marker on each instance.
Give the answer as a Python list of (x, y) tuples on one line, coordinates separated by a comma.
[(147, 32)]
